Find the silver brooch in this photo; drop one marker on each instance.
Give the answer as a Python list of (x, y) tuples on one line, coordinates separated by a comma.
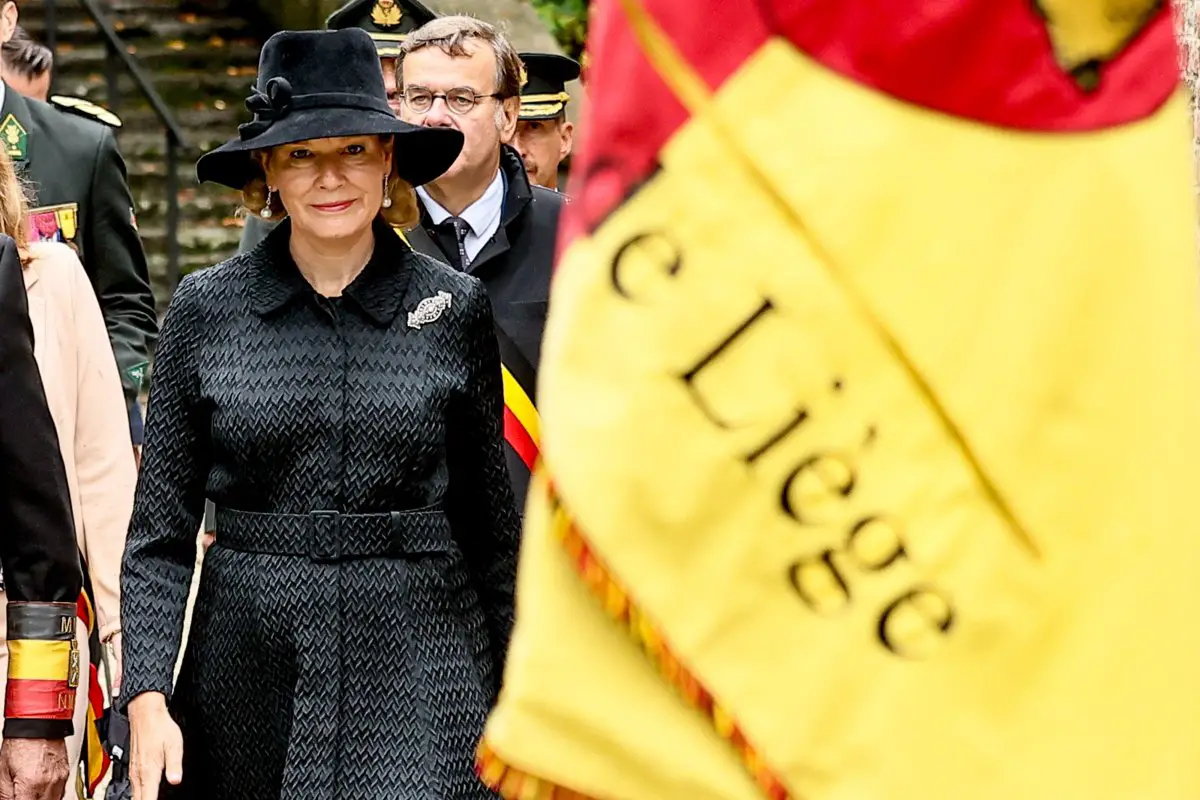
[(429, 310)]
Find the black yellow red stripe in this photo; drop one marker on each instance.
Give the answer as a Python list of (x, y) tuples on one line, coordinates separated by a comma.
[(85, 611), (43, 661), (522, 427), (94, 759)]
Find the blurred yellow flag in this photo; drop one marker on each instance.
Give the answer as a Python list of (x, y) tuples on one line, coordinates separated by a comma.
[(870, 419)]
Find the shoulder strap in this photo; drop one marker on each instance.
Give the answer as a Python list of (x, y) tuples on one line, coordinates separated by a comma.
[(85, 108)]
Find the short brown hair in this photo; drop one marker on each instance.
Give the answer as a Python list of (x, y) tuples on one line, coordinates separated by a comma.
[(25, 57), (450, 35)]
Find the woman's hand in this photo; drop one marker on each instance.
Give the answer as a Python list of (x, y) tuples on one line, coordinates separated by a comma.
[(156, 745)]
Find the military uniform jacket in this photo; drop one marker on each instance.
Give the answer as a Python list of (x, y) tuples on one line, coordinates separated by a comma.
[(515, 266), (38, 554), (349, 632), (80, 195)]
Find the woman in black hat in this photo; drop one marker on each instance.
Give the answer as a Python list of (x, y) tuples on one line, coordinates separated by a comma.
[(338, 398)]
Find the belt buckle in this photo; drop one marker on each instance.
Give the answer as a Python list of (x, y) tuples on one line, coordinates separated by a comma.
[(325, 537)]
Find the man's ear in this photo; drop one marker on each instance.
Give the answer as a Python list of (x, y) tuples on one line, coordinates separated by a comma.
[(8, 20), (566, 132), (512, 110)]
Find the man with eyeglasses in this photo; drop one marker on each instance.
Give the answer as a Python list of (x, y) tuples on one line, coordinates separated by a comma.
[(482, 215)]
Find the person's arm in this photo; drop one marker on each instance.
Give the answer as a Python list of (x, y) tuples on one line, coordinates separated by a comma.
[(160, 550), (116, 264), (481, 506), (38, 552), (104, 462)]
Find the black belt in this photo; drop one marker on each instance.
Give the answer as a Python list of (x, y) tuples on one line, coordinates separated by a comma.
[(331, 536)]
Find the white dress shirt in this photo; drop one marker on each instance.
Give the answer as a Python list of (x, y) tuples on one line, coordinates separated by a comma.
[(483, 216)]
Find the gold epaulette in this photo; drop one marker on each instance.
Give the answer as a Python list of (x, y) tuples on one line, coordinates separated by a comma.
[(86, 108)]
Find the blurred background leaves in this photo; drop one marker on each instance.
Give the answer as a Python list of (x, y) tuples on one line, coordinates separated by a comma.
[(567, 20)]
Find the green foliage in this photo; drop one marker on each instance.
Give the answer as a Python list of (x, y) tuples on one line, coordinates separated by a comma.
[(567, 20)]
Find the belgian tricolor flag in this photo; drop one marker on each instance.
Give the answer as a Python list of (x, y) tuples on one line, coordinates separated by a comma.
[(870, 405), (94, 759)]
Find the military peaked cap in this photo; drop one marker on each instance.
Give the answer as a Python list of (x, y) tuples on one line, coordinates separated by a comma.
[(387, 21), (544, 93)]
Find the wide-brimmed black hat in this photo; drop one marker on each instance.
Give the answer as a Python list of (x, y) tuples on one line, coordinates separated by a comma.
[(318, 85)]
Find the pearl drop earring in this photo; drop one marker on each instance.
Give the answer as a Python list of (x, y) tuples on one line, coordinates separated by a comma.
[(266, 212), (387, 199)]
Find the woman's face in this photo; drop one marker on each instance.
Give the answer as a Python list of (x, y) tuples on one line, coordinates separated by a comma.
[(331, 188)]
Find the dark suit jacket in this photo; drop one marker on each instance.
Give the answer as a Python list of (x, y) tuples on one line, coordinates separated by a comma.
[(515, 266), (38, 552), (70, 159)]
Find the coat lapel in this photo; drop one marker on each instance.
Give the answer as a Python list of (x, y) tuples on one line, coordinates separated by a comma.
[(420, 240), (497, 246)]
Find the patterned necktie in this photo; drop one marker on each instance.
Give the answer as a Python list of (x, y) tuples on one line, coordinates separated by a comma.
[(458, 228)]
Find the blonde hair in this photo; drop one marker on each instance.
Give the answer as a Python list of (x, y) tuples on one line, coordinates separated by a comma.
[(14, 207), (404, 212)]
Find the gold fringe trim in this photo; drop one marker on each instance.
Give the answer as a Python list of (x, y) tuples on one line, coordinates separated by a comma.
[(514, 784), (617, 604)]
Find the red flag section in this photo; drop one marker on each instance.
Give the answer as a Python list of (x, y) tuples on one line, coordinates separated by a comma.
[(931, 54)]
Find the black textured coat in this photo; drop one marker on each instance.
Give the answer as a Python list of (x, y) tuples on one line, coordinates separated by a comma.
[(327, 658), (515, 265)]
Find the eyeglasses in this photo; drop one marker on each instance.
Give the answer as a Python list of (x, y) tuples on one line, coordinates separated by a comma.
[(460, 100)]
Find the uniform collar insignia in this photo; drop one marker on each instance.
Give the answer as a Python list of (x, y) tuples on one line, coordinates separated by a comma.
[(16, 139)]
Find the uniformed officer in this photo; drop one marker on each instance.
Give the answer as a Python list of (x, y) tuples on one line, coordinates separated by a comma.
[(68, 156), (544, 134), (39, 558), (388, 22)]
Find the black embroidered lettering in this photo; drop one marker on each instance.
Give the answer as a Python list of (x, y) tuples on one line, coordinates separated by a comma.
[(819, 583), (913, 624), (655, 248)]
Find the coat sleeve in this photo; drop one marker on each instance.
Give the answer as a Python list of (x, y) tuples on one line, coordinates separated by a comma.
[(38, 552), (104, 462), (481, 506), (160, 550), (116, 264)]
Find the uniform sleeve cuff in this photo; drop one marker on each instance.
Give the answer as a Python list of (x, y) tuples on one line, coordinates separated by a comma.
[(38, 729), (43, 664)]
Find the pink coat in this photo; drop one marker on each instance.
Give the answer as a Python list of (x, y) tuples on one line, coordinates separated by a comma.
[(83, 388)]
